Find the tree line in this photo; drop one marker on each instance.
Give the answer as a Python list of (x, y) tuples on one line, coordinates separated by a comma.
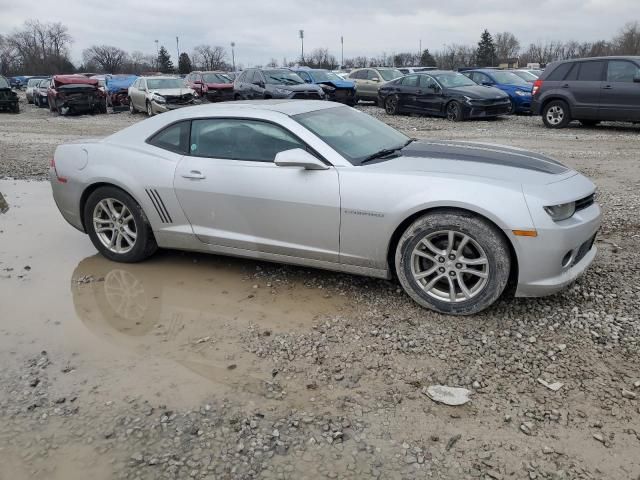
[(44, 48)]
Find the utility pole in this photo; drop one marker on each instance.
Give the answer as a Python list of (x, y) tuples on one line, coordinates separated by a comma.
[(302, 46), (342, 53), (233, 55), (178, 48), (157, 55)]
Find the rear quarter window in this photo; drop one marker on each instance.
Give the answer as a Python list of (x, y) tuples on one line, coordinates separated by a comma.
[(560, 72), (174, 138)]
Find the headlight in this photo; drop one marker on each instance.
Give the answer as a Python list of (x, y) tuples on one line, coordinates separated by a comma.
[(327, 88), (561, 212), (468, 99), (158, 98), (522, 93), (281, 91)]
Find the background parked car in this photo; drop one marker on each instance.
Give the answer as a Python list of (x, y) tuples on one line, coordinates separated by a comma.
[(443, 94), (526, 75), (40, 93), (159, 94), (255, 83), (335, 88), (518, 89), (18, 82), (8, 98), (369, 80), (117, 90), (74, 94), (31, 85), (214, 86), (589, 90), (408, 70)]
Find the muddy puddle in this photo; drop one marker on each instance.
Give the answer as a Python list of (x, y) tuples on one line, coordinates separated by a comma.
[(168, 329)]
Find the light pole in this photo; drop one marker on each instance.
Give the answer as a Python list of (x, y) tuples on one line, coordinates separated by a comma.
[(157, 55), (233, 55), (342, 52), (178, 49), (302, 46)]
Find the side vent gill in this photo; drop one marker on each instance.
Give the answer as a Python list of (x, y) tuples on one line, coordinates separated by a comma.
[(159, 205)]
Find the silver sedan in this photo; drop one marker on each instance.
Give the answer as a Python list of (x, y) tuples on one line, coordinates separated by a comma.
[(319, 184)]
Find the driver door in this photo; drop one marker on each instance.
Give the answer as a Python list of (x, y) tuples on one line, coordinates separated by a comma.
[(431, 98), (235, 196)]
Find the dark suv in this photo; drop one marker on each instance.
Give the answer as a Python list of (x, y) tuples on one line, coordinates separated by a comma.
[(590, 90), (256, 83)]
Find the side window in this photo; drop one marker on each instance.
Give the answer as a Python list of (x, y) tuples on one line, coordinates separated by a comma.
[(621, 71), (238, 139), (305, 76), (372, 74), (590, 71), (481, 78), (258, 77), (143, 84), (361, 75), (248, 76), (427, 82), (410, 81), (559, 72), (573, 73), (174, 138)]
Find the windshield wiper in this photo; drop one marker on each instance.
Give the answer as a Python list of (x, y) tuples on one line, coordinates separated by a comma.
[(385, 152)]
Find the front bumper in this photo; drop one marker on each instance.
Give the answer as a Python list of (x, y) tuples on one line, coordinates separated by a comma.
[(523, 104), (166, 107), (214, 95), (341, 95), (487, 111), (563, 250)]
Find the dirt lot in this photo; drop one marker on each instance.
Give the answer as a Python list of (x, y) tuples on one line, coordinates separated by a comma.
[(193, 366)]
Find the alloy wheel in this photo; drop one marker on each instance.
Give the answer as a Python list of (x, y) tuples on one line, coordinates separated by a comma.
[(149, 110), (391, 105), (450, 266), (453, 112), (555, 115), (114, 225)]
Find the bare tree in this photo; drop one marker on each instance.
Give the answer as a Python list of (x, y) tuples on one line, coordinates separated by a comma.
[(41, 47), (9, 60), (210, 58), (507, 46), (320, 58), (109, 59), (627, 42)]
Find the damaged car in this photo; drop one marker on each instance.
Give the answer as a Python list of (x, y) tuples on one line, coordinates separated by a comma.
[(159, 94), (8, 98), (70, 94), (212, 86), (117, 91), (41, 92), (335, 88)]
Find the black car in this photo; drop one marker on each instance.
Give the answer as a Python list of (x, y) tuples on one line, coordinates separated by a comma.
[(590, 90), (8, 98), (255, 83), (443, 94)]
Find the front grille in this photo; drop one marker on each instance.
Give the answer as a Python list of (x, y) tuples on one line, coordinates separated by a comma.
[(585, 202), (494, 110), (179, 99), (312, 95), (583, 250)]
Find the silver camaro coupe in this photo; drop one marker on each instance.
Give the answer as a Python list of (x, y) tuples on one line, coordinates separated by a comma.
[(323, 185)]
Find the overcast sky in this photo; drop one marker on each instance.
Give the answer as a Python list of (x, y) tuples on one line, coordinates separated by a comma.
[(265, 29)]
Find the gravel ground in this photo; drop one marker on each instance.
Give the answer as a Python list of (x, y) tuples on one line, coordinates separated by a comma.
[(311, 374)]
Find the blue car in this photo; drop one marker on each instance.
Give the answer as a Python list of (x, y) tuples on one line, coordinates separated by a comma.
[(519, 90), (335, 88)]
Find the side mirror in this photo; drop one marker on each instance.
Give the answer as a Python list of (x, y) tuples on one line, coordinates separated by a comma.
[(297, 157), (487, 84)]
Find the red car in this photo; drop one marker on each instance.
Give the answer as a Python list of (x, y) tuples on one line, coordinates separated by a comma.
[(214, 86), (75, 94)]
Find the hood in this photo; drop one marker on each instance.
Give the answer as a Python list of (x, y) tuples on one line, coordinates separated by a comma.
[(513, 88), (298, 88), (339, 84), (479, 92), (219, 86), (477, 159), (172, 91)]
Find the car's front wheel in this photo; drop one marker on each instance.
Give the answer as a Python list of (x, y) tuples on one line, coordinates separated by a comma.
[(454, 111), (391, 105), (453, 262), (556, 114), (149, 110), (117, 226), (132, 108)]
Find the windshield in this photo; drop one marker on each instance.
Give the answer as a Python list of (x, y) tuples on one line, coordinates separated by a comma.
[(452, 80), (508, 78), (33, 82), (282, 77), (390, 74), (43, 84), (4, 83), (353, 134), (158, 83), (216, 78), (323, 76)]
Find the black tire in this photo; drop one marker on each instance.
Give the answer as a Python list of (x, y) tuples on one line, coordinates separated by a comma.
[(454, 111), (512, 107), (589, 123), (149, 109), (35, 102), (556, 114), (483, 234), (145, 243), (132, 108), (391, 105), (356, 100)]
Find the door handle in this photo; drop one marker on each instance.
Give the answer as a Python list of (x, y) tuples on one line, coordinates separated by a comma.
[(566, 85), (607, 87), (194, 175)]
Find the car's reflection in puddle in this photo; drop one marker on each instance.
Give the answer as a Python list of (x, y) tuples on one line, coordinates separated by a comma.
[(194, 309)]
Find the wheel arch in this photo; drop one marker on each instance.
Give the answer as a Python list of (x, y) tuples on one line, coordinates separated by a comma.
[(93, 187), (552, 97), (402, 227)]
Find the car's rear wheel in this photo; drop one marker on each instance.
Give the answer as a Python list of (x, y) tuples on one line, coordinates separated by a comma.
[(453, 262), (454, 111), (117, 226), (391, 105), (556, 114)]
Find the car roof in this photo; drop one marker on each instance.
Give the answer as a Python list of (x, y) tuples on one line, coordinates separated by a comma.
[(285, 106), (162, 77), (433, 72), (617, 57)]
